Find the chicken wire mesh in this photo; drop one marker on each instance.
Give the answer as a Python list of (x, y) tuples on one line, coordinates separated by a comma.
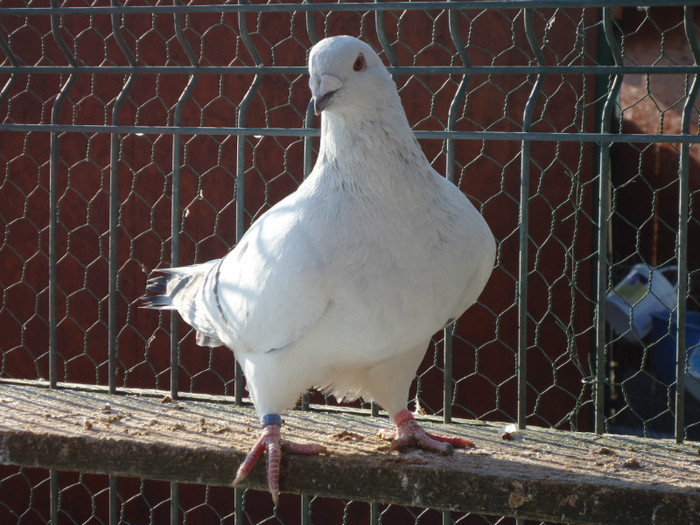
[(137, 135)]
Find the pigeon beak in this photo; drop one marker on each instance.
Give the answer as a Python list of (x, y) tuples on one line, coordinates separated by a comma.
[(322, 90), (322, 102)]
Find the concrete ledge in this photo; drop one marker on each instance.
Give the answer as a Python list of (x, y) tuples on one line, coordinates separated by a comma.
[(541, 474)]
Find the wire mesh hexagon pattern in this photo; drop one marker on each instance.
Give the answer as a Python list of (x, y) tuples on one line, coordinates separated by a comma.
[(139, 135)]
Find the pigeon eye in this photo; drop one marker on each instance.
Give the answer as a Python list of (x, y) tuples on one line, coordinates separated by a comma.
[(359, 64)]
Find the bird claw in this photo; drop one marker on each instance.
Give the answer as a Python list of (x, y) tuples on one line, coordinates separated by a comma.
[(270, 440), (409, 433)]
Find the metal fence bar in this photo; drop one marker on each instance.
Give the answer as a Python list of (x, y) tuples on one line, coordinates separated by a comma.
[(457, 101), (113, 500), (310, 23), (383, 39), (533, 136), (53, 202), (174, 503), (309, 116), (374, 513), (175, 210), (113, 341), (308, 143), (54, 496), (572, 70), (305, 514), (176, 226), (524, 226), (327, 6), (682, 237), (238, 504), (241, 117), (391, 57), (603, 226)]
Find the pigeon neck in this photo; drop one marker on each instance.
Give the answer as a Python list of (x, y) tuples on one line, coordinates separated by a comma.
[(364, 141)]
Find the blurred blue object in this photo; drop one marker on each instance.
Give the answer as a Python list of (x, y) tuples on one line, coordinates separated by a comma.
[(663, 354)]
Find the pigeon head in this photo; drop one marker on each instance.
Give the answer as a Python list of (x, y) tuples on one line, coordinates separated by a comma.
[(346, 75)]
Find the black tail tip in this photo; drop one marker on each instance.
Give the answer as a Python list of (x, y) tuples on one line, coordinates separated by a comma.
[(156, 288), (154, 301), (157, 284)]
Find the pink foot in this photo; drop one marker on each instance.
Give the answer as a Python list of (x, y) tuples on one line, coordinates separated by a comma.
[(409, 433), (270, 439)]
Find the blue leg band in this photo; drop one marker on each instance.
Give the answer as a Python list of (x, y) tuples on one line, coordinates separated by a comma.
[(270, 419)]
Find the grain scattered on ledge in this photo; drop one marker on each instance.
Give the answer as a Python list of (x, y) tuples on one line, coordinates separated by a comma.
[(538, 474)]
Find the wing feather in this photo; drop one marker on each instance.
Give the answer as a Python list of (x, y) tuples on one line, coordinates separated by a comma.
[(270, 289)]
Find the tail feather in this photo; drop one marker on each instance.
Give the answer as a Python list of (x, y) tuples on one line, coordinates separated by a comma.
[(181, 289), (157, 302), (157, 293)]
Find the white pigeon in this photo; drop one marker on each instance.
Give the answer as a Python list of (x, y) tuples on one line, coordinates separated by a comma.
[(341, 285)]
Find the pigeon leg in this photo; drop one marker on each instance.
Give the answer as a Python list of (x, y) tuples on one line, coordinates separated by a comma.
[(270, 440), (409, 433)]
